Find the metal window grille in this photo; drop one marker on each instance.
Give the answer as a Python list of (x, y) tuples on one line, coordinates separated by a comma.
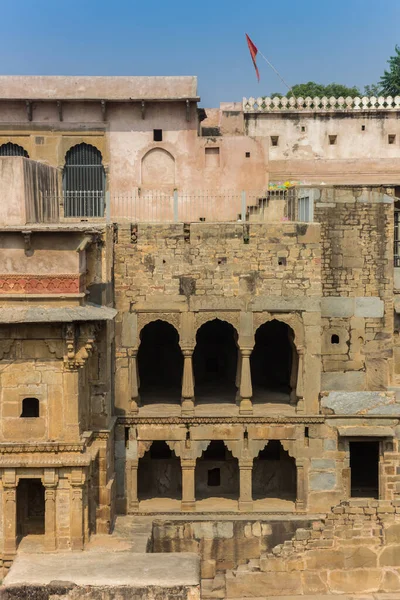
[(84, 182), (396, 249), (10, 149)]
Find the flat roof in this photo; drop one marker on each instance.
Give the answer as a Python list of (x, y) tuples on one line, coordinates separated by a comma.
[(118, 89)]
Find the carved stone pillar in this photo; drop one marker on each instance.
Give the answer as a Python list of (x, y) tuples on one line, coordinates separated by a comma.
[(188, 484), (50, 481), (246, 495), (238, 372), (132, 485), (50, 518), (187, 382), (76, 514), (300, 380), (301, 486), (9, 511), (246, 390), (134, 380)]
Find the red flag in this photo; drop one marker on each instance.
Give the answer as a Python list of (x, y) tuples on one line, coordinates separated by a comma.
[(253, 51)]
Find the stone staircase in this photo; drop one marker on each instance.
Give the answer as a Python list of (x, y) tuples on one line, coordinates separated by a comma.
[(354, 549)]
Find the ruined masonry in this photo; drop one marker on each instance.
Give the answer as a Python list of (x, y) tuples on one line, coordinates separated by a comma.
[(199, 335)]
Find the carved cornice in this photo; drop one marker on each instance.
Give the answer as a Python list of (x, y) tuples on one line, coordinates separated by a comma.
[(42, 284), (44, 448), (193, 420)]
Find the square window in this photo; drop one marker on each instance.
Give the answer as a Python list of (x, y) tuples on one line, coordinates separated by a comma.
[(274, 140), (332, 140), (157, 135), (391, 138), (247, 154), (303, 129)]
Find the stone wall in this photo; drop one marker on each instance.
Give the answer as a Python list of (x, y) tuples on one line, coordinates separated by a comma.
[(355, 549)]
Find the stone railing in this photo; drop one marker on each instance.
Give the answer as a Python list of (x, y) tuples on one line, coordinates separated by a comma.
[(266, 104)]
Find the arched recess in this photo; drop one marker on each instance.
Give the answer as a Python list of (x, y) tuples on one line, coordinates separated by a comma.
[(215, 362), (159, 473), (158, 168), (160, 363), (274, 473), (274, 363), (84, 182), (11, 149), (217, 472)]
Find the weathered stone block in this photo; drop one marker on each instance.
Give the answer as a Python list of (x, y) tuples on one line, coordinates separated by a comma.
[(369, 307), (257, 584), (390, 556), (323, 464), (322, 481), (359, 557), (355, 581)]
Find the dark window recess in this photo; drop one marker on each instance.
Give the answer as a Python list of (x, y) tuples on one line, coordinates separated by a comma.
[(282, 261), (303, 129), (391, 138), (159, 450), (84, 182), (30, 407), (274, 140), (39, 141), (215, 451), (126, 437), (364, 466), (157, 135), (247, 154), (13, 150), (272, 451), (334, 339), (214, 477), (306, 432), (332, 140), (362, 127)]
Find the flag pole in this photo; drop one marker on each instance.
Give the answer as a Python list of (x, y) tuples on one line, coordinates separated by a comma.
[(277, 72)]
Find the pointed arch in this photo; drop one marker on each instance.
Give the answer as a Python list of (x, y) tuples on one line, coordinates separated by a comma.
[(274, 473), (158, 168), (11, 149)]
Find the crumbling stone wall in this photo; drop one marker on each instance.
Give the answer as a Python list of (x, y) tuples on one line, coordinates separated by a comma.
[(355, 549)]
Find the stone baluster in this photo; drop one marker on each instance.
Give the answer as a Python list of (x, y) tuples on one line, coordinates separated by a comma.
[(134, 380), (188, 484), (132, 485), (187, 382), (246, 390), (300, 380), (245, 474)]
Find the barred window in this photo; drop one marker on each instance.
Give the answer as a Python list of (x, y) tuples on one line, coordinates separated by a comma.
[(84, 182), (10, 149)]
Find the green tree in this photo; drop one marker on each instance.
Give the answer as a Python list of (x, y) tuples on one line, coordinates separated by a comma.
[(390, 80), (372, 90), (313, 89)]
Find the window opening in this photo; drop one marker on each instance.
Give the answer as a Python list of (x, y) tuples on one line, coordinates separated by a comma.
[(157, 135), (10, 149), (364, 465), (30, 407), (274, 140), (334, 339), (332, 140)]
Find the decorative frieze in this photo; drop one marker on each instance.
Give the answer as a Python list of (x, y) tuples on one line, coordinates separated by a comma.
[(42, 284)]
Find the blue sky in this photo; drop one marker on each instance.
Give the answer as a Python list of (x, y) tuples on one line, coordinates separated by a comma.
[(346, 41)]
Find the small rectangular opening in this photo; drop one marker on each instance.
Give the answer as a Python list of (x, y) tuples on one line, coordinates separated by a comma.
[(214, 477), (247, 154), (303, 129), (332, 140), (391, 138), (157, 135), (212, 157), (127, 437), (274, 140), (364, 467), (362, 127)]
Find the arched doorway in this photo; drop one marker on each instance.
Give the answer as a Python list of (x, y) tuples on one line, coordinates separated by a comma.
[(215, 362), (30, 507), (84, 182), (274, 363), (159, 473), (217, 473), (10, 149), (160, 363), (274, 473)]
